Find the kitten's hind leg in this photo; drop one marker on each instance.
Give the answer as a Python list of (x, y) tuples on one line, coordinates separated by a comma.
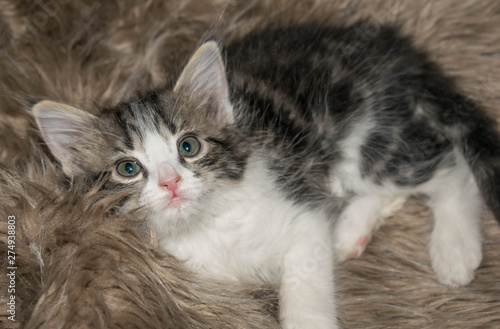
[(456, 241), (358, 221)]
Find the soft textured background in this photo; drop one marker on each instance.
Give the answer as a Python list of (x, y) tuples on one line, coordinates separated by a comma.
[(95, 53)]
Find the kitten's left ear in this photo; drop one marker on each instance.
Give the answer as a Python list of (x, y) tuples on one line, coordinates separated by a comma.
[(204, 77), (64, 129)]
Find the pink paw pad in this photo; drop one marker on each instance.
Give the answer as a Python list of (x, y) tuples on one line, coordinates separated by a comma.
[(359, 247)]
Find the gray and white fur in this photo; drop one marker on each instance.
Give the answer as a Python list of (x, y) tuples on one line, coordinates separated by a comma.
[(275, 157)]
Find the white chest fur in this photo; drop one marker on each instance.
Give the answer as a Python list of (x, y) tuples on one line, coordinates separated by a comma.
[(251, 233), (244, 233)]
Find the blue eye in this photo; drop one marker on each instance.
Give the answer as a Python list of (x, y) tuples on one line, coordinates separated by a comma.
[(189, 147), (128, 168)]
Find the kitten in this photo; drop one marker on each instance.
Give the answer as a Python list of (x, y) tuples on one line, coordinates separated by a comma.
[(269, 165)]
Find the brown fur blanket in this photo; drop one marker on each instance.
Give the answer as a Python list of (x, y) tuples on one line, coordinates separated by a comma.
[(78, 268)]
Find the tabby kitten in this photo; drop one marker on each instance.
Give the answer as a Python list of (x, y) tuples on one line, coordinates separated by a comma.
[(267, 166)]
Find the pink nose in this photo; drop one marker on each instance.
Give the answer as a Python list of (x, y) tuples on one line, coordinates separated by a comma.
[(172, 183)]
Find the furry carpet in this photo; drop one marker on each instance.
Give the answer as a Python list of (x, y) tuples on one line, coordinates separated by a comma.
[(78, 268)]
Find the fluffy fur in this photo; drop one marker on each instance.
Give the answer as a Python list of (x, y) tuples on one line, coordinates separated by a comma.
[(79, 267), (372, 298)]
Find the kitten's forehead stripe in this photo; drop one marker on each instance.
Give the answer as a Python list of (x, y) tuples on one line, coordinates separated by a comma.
[(134, 129), (144, 119), (171, 126), (158, 113), (122, 124)]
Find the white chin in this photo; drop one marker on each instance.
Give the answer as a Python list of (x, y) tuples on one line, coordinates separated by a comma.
[(172, 218)]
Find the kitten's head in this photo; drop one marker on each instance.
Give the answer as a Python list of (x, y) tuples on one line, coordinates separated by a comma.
[(175, 149)]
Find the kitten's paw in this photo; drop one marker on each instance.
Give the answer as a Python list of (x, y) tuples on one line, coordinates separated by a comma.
[(359, 247), (350, 243), (358, 222), (355, 250), (454, 264)]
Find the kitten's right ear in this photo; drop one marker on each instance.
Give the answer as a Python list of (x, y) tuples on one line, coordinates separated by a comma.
[(205, 77), (62, 128)]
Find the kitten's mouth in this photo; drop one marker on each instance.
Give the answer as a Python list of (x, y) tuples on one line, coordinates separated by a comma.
[(176, 201)]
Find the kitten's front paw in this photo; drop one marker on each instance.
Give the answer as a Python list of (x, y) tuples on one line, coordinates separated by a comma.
[(347, 249), (455, 263), (359, 221)]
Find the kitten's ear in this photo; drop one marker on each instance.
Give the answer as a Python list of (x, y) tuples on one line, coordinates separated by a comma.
[(63, 127), (205, 78)]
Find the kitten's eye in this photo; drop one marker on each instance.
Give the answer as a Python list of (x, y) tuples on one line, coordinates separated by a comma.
[(189, 147), (128, 168)]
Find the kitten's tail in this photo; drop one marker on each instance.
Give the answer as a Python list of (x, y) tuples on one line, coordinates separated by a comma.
[(474, 133)]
